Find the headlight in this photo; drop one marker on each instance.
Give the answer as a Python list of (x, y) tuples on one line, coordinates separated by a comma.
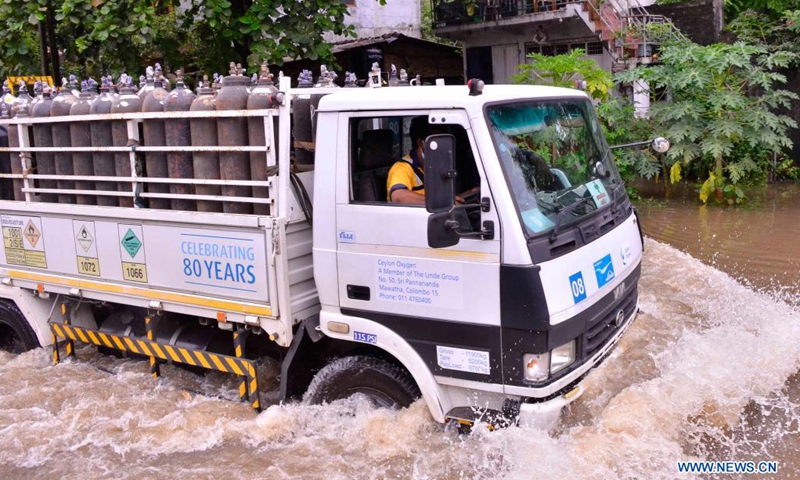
[(561, 357), (537, 366)]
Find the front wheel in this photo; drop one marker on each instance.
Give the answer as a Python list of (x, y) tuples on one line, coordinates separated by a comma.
[(385, 384)]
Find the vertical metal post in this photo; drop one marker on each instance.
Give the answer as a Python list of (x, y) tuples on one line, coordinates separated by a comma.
[(56, 357), (25, 157), (252, 377), (269, 136), (65, 320), (285, 122), (133, 141), (239, 340), (150, 322)]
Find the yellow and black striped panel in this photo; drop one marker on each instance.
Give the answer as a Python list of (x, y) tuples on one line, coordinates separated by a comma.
[(196, 358)]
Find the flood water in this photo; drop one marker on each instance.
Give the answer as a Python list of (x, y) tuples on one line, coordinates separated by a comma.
[(758, 244), (708, 371)]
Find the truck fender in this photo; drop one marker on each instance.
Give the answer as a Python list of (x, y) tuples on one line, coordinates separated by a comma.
[(398, 348)]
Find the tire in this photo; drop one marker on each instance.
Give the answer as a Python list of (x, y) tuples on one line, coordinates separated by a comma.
[(386, 384), (16, 336)]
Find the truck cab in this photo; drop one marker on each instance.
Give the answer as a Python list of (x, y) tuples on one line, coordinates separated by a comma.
[(538, 278)]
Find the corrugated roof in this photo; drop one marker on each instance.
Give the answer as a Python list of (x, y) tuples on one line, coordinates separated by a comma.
[(388, 38)]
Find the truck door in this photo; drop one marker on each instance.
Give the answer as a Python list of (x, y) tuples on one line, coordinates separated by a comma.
[(444, 302)]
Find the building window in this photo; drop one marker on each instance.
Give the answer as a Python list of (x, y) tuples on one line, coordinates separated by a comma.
[(548, 50), (595, 48), (531, 49), (577, 46), (562, 49)]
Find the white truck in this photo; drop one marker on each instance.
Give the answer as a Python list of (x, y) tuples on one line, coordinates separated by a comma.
[(494, 309)]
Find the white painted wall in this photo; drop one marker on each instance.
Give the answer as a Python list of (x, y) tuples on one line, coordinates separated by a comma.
[(370, 19)]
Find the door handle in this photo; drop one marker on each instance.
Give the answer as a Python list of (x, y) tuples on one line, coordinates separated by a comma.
[(358, 292)]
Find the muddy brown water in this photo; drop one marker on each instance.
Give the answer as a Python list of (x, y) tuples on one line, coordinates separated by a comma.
[(708, 371)]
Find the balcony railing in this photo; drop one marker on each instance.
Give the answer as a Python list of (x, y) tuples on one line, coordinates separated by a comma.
[(460, 12)]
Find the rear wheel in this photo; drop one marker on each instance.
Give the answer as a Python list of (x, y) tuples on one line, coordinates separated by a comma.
[(385, 384), (16, 336)]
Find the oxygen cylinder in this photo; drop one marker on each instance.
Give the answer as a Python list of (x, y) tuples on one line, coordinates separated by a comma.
[(60, 107), (178, 134), (233, 132), (20, 110), (128, 102), (81, 136), (43, 137), (350, 80), (6, 103), (301, 122), (204, 134), (260, 99), (101, 137), (23, 99), (149, 83), (326, 79), (38, 88), (8, 98), (6, 185), (154, 136)]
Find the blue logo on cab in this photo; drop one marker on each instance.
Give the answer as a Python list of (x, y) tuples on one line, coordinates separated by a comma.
[(604, 271), (578, 287), (365, 337)]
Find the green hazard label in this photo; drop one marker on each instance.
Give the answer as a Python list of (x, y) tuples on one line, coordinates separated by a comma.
[(131, 243)]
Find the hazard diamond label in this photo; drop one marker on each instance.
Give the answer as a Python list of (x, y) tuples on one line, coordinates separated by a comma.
[(84, 238), (32, 233), (131, 243)]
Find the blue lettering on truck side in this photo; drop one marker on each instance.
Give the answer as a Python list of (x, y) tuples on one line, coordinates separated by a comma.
[(208, 259)]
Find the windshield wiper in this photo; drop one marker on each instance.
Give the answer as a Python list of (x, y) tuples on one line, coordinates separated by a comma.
[(563, 213)]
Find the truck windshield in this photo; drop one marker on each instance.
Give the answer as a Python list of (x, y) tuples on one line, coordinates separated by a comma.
[(554, 157)]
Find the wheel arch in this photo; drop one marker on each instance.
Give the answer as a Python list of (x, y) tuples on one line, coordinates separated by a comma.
[(311, 349)]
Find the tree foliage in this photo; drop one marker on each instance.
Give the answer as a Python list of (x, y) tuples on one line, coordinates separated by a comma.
[(719, 108), (564, 70), (621, 125), (115, 35)]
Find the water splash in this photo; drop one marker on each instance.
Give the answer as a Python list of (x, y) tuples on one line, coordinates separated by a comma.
[(708, 371)]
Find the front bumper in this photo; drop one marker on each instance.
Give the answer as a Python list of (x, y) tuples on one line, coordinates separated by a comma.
[(545, 415), (531, 411)]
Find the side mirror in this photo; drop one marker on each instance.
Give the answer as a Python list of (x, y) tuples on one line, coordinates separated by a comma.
[(660, 145), (440, 174), (442, 230), (600, 170)]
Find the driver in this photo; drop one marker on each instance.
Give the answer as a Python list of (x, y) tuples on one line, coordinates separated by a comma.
[(405, 183)]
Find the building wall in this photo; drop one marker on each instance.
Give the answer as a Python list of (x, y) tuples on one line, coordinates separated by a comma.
[(509, 46), (370, 19), (699, 20)]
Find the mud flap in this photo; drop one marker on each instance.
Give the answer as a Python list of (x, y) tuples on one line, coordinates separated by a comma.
[(298, 367)]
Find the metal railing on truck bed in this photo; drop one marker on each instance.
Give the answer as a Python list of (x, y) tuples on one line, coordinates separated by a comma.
[(133, 186), (200, 254)]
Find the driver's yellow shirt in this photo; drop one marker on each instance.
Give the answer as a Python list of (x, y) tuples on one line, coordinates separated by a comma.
[(403, 175)]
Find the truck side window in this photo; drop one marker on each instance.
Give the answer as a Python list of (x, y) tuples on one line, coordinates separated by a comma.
[(378, 143)]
